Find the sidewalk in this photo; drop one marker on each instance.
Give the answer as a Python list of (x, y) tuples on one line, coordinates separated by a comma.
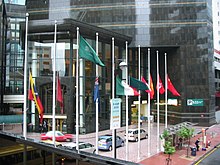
[(179, 157)]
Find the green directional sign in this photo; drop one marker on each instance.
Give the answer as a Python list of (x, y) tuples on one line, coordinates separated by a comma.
[(195, 102)]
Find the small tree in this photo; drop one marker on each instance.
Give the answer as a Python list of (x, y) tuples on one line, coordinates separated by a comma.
[(168, 148), (186, 133)]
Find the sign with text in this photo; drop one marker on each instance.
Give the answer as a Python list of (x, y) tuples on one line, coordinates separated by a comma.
[(195, 102), (115, 113)]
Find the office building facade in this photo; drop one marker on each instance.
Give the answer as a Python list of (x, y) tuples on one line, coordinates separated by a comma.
[(182, 29)]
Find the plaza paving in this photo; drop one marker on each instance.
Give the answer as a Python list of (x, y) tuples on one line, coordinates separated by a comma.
[(153, 157)]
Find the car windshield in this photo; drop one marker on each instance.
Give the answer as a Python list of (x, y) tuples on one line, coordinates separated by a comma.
[(102, 139), (105, 139), (56, 133), (59, 134), (49, 133), (130, 132)]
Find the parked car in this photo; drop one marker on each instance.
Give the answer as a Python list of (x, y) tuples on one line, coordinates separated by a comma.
[(133, 134), (83, 146), (59, 136), (105, 142)]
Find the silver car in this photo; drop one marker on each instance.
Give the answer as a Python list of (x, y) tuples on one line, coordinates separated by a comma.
[(83, 146), (133, 134)]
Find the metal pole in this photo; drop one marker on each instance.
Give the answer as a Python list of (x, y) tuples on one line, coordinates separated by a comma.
[(148, 110), (77, 91), (139, 100), (165, 90), (158, 115), (25, 82), (54, 89), (113, 95), (54, 81), (97, 101), (126, 98)]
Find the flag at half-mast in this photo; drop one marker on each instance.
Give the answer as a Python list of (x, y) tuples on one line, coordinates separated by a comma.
[(144, 81), (34, 96), (137, 84), (171, 88), (96, 89), (59, 94), (151, 88), (122, 88), (160, 86)]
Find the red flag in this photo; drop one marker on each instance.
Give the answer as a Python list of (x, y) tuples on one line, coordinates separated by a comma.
[(171, 88), (59, 94), (160, 86)]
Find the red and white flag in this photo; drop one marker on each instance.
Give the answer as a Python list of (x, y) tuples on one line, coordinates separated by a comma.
[(160, 86)]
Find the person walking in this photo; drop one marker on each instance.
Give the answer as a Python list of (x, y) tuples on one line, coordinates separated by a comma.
[(197, 144)]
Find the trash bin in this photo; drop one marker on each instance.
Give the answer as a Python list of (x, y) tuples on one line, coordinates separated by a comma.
[(193, 151)]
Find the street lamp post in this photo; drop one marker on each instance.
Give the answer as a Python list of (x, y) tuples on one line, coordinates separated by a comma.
[(124, 67)]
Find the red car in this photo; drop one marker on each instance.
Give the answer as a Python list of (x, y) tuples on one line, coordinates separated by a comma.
[(59, 136)]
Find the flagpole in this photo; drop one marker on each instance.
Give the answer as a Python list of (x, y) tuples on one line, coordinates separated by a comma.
[(113, 94), (158, 115), (165, 90), (25, 82), (139, 99), (126, 96), (25, 92), (148, 110), (77, 91), (54, 81), (97, 100)]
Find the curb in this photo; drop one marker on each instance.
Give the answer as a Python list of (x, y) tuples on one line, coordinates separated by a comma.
[(206, 154)]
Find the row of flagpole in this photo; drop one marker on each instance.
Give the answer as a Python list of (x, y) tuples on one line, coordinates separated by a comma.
[(97, 99)]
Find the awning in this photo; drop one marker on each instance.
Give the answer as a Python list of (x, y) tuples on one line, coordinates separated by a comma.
[(174, 129)]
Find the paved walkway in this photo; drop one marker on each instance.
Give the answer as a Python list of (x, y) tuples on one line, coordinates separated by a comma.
[(179, 157)]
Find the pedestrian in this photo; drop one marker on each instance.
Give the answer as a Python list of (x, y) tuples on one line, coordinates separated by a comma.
[(197, 144), (44, 126), (180, 143), (141, 122)]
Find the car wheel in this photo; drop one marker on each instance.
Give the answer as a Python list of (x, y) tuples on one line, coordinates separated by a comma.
[(122, 144), (136, 139), (110, 148)]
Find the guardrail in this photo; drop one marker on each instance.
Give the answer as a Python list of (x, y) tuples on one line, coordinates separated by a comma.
[(9, 126)]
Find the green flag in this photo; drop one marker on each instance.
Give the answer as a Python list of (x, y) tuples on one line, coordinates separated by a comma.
[(87, 52), (139, 85), (123, 88)]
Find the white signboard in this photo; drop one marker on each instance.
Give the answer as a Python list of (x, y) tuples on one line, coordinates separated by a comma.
[(115, 113)]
